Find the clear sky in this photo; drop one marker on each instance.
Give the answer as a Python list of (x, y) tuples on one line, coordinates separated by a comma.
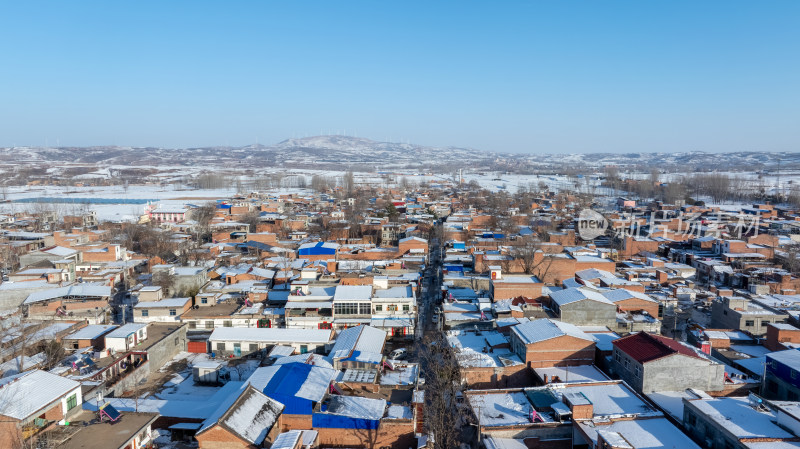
[(539, 76)]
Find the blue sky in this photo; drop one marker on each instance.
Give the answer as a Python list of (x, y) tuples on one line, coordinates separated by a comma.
[(545, 76)]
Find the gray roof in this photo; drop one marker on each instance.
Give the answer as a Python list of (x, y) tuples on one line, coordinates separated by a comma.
[(545, 329), (360, 338), (71, 290), (124, 331), (353, 293), (789, 357), (169, 302), (27, 393), (90, 332), (621, 294), (570, 295)]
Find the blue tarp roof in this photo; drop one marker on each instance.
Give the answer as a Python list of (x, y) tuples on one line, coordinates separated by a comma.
[(316, 250)]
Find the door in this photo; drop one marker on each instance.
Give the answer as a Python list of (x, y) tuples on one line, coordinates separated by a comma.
[(237, 349)]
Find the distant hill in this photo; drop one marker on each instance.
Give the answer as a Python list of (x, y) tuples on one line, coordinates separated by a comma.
[(341, 152)]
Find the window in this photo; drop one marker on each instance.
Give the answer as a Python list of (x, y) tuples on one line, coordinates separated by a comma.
[(379, 308), (392, 308), (220, 346), (765, 323), (192, 324), (791, 395), (175, 342), (749, 323), (204, 301), (173, 312), (227, 324), (253, 347), (325, 325), (793, 374), (72, 401), (406, 308), (365, 308), (772, 386), (691, 419), (303, 349), (209, 325), (141, 334), (145, 313)]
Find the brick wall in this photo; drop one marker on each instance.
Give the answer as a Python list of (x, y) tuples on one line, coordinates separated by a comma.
[(560, 351), (219, 438), (501, 377)]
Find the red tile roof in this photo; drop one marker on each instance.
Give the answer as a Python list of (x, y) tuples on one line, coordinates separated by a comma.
[(644, 347)]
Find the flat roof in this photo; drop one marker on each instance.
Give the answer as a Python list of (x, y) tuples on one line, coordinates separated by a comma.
[(106, 434)]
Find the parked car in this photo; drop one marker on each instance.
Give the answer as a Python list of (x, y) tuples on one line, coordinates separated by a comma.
[(398, 354)]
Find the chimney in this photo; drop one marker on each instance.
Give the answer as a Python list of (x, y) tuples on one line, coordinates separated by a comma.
[(661, 276), (580, 405)]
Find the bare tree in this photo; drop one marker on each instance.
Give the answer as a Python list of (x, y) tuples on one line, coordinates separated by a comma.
[(203, 216), (53, 352), (443, 415), (252, 219), (531, 258), (348, 183), (163, 279), (791, 258)]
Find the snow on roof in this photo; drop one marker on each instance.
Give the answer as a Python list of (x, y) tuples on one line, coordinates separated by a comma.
[(86, 289), (21, 363), (573, 374), (545, 329), (287, 440), (252, 416), (570, 295), (672, 401), (358, 339), (620, 294), (357, 407), (271, 335), (25, 394), (32, 285), (399, 412), (738, 417), (60, 251), (168, 302), (502, 409), (651, 433), (125, 330), (603, 340), (307, 358), (395, 292), (201, 407), (403, 374), (611, 399), (90, 332), (789, 357), (471, 349), (594, 273), (503, 443), (353, 293), (300, 380)]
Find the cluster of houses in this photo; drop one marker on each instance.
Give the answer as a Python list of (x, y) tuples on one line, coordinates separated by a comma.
[(273, 321)]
